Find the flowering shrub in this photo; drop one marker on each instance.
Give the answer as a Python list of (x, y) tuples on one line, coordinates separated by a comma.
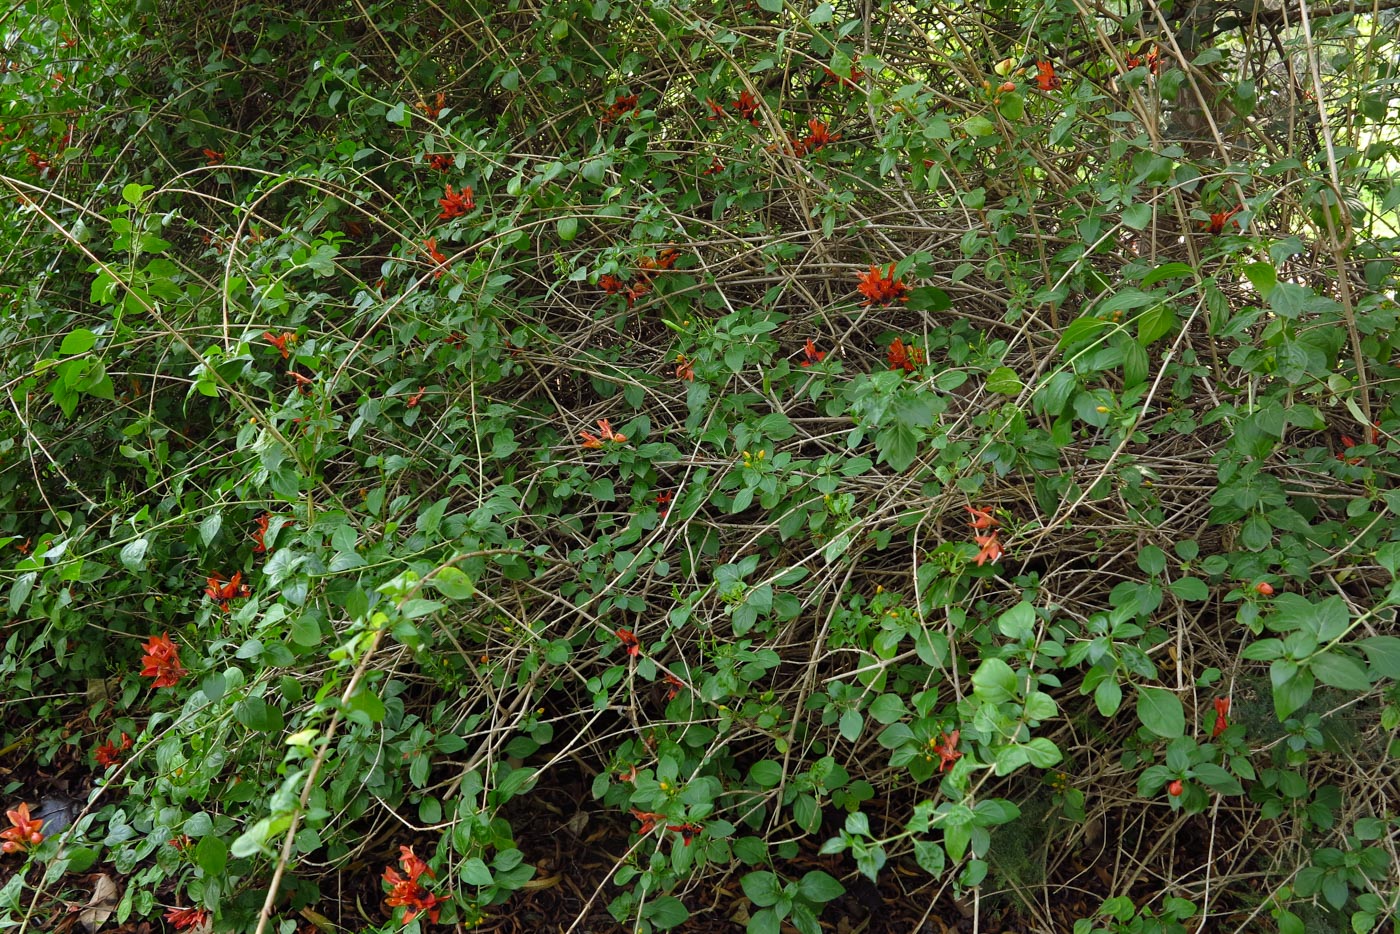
[(1000, 508)]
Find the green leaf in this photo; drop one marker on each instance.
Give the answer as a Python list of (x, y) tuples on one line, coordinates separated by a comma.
[(209, 528), (1004, 381), (364, 707), (77, 342), (1383, 652), (994, 681), (1340, 671), (766, 773), (452, 582), (772, 6), (1189, 588), (567, 228), (1081, 329), (1161, 712), (1137, 216), (817, 886), (1167, 271), (666, 912), (1108, 696), (133, 554), (1292, 687), (212, 855)]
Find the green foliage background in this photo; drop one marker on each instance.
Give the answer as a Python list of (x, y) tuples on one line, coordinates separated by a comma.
[(1160, 409)]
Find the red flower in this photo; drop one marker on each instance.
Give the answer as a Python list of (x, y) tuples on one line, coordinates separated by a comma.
[(663, 503), (162, 662), (716, 111), (881, 288), (1045, 76), (747, 107), (213, 156), (649, 820), (414, 399), (1174, 788), (23, 833), (406, 891), (1222, 709), (619, 108), (109, 753), (440, 162), (181, 918), (222, 592), (413, 865), (629, 639), (260, 546), (817, 139), (430, 245), (611, 284), (432, 110), (1216, 224), (715, 168), (857, 74), (991, 548), (1264, 588), (982, 519), (1153, 61), (811, 354), (280, 341), (685, 369), (456, 204), (591, 440), (903, 357), (688, 832), (636, 291), (676, 685), (946, 748)]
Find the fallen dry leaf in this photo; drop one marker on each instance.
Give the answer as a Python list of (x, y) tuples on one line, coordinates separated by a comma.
[(105, 896)]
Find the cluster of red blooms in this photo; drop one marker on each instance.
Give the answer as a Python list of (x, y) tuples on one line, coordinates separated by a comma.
[(621, 107), (856, 75), (438, 161), (260, 546), (162, 662), (432, 110), (223, 592), (1216, 224), (109, 753), (715, 168), (746, 106), (629, 640), (280, 341), (181, 918), (881, 288), (817, 139), (647, 268), (430, 245), (1153, 61), (1222, 710), (946, 748), (650, 820), (1045, 77), (455, 204), (990, 543), (590, 440), (904, 357), (811, 355), (405, 889), (1349, 442), (23, 831)]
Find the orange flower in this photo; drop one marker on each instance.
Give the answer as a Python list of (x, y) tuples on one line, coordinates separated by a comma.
[(818, 138), (1222, 710), (857, 74), (109, 753), (991, 548), (882, 288), (181, 918), (440, 162), (685, 369), (629, 639), (213, 156), (413, 865), (455, 205), (676, 684), (222, 592), (591, 440), (259, 546), (432, 110), (946, 748), (649, 820), (1264, 588), (747, 107), (611, 284), (1045, 76), (811, 354), (280, 341), (716, 111), (430, 245), (1153, 61), (982, 519), (1174, 788), (23, 833), (619, 108), (902, 357), (414, 399), (1216, 224), (688, 832), (162, 662)]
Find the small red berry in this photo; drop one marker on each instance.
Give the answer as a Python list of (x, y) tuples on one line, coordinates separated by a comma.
[(1265, 588), (1174, 788)]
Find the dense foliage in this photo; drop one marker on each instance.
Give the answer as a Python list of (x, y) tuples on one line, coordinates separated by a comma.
[(945, 442)]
